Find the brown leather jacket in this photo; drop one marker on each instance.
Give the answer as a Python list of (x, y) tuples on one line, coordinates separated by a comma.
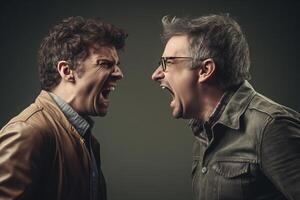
[(43, 157)]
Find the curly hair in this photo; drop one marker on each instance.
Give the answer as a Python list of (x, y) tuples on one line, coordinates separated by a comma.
[(70, 40), (218, 37)]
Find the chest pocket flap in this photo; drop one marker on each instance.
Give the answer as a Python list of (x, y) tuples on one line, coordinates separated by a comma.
[(231, 169)]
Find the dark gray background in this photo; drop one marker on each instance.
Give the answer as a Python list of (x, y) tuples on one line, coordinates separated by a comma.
[(145, 153)]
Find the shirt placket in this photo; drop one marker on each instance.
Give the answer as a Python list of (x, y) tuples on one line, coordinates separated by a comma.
[(94, 171)]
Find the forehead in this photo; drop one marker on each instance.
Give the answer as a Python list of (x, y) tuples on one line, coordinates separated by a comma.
[(177, 46), (104, 52)]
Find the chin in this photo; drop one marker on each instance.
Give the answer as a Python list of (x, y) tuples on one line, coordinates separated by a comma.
[(181, 115), (178, 111), (101, 113), (177, 114)]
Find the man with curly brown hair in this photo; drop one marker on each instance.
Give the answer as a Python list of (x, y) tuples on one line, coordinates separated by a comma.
[(48, 151)]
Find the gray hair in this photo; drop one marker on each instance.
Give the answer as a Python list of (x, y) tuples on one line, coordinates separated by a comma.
[(214, 36)]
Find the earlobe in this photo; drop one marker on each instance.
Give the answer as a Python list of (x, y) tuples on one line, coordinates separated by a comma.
[(65, 71), (207, 70)]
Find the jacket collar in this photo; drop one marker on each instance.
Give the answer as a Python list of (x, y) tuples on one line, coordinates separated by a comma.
[(236, 106), (45, 102), (81, 124), (228, 112)]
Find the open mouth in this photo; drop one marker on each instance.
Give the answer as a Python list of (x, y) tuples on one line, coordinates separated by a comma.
[(164, 87), (106, 91)]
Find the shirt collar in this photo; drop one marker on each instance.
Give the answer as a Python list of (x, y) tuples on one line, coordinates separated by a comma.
[(82, 125)]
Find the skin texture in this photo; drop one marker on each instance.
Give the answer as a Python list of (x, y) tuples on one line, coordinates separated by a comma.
[(86, 89)]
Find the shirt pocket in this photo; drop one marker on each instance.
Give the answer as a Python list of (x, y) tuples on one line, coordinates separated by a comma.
[(232, 179)]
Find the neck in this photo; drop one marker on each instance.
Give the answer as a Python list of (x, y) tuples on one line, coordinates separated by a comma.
[(66, 94), (210, 100)]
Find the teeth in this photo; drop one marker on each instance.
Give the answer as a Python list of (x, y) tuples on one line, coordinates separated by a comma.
[(112, 88)]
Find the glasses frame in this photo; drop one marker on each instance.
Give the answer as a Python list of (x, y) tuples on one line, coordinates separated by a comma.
[(163, 61)]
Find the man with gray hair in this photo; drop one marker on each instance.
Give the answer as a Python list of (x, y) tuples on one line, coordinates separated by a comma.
[(246, 145)]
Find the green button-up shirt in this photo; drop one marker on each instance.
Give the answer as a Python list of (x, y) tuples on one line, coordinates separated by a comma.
[(250, 150)]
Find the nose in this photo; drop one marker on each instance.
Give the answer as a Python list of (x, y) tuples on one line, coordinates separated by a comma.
[(117, 73), (158, 74)]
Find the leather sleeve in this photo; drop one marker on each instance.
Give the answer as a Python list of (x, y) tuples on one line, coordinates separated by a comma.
[(21, 149), (280, 155)]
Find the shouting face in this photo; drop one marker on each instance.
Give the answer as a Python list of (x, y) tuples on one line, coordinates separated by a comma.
[(96, 77), (176, 76)]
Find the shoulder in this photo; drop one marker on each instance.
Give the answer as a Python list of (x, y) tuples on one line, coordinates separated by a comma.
[(263, 116), (279, 125), (29, 125), (271, 110)]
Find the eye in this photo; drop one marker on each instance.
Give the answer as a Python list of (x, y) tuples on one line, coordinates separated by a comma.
[(169, 61), (105, 63)]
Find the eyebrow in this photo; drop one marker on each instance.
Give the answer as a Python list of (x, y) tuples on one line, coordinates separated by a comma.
[(109, 60)]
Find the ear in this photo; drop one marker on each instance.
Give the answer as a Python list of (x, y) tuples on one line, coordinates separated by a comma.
[(65, 71), (207, 70)]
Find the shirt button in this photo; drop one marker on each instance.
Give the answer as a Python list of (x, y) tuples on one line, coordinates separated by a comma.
[(204, 170)]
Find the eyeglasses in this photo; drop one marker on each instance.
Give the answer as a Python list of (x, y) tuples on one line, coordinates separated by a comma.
[(164, 60)]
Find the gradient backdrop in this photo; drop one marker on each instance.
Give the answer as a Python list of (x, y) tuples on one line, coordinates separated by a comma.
[(146, 154)]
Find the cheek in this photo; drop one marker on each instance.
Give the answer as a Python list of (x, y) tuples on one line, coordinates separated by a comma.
[(187, 95), (187, 90), (95, 83), (89, 88), (185, 84)]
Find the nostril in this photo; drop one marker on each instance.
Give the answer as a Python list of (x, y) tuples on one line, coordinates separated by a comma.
[(118, 73), (157, 75), (120, 76), (154, 76)]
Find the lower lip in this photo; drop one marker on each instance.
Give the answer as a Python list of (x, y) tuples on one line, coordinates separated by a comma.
[(105, 104), (172, 103), (103, 100)]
